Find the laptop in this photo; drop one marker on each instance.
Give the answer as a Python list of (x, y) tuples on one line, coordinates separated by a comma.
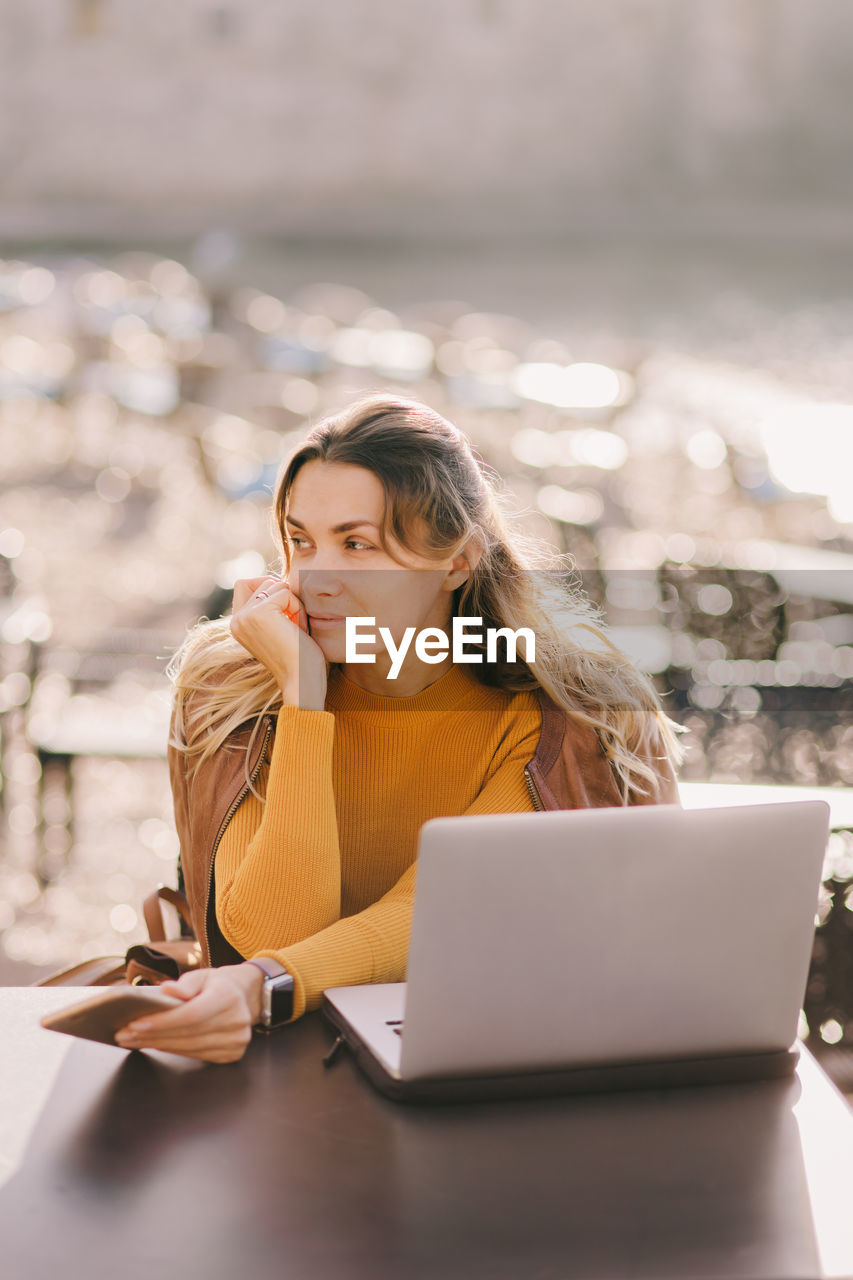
[(596, 949)]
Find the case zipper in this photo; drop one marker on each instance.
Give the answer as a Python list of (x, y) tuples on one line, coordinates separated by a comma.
[(332, 1055)]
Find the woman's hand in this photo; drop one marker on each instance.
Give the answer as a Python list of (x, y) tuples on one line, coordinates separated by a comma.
[(214, 1024), (268, 619)]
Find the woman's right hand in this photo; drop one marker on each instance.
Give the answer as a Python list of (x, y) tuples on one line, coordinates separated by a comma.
[(268, 619), (215, 1021)]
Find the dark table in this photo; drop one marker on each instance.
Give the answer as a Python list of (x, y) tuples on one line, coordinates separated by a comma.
[(120, 1166)]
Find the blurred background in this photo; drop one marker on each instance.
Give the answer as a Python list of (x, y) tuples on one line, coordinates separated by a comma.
[(613, 243)]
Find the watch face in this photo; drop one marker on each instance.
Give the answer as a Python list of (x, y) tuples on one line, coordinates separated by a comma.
[(277, 1003)]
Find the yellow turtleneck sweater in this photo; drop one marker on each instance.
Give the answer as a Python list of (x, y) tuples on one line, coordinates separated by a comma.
[(322, 875)]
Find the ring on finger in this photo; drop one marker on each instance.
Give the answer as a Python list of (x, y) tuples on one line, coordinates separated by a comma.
[(262, 595)]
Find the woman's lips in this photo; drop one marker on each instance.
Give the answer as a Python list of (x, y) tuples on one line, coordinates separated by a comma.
[(327, 620)]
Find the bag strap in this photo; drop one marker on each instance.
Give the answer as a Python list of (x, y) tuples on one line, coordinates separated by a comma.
[(141, 963), (153, 912), (101, 971)]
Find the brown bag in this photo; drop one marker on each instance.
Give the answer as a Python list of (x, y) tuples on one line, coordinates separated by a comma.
[(144, 964)]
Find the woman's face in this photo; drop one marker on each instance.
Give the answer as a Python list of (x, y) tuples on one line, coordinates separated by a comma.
[(339, 570)]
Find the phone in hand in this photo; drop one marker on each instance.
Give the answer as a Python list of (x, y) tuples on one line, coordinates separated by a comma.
[(102, 1016)]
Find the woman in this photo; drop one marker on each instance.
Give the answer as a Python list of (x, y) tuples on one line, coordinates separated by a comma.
[(301, 777)]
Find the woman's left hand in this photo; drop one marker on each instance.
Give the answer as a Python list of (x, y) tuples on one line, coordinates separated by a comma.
[(215, 1023), (269, 621)]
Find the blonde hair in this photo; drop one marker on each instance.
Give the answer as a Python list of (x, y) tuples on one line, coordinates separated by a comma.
[(440, 496)]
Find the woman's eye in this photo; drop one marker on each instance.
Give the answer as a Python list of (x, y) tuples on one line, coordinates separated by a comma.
[(299, 544)]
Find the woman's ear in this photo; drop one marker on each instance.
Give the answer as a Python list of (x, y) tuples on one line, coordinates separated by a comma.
[(467, 559), (472, 552)]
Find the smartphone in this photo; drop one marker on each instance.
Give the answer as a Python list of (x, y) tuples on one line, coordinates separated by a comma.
[(102, 1016)]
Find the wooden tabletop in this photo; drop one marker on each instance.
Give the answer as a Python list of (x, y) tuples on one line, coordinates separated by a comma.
[(121, 1165)]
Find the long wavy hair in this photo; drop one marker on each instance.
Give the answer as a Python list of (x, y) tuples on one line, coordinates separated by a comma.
[(440, 496)]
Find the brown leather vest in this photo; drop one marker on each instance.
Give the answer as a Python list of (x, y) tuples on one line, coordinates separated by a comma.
[(568, 770)]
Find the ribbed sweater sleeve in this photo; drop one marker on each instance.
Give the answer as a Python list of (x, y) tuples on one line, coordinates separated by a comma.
[(280, 881)]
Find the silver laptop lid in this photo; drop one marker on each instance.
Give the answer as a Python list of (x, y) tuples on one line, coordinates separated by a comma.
[(608, 935)]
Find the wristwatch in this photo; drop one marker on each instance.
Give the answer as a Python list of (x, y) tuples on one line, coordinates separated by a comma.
[(276, 993)]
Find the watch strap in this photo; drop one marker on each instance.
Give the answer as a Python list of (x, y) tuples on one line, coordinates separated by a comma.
[(269, 967)]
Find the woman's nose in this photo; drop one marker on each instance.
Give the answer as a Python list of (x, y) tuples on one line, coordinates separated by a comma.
[(320, 579)]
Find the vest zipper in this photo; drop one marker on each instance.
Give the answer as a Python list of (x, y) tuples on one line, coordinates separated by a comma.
[(221, 832), (534, 794)]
